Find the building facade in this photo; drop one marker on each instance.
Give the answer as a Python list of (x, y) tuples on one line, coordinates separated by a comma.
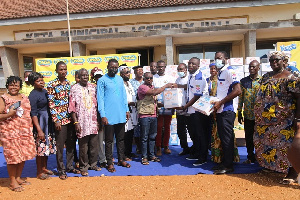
[(165, 30)]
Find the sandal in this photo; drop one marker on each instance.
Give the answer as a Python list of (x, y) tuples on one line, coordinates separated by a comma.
[(49, 172), (25, 183), (287, 181), (155, 159), (63, 176), (103, 165), (84, 173), (74, 171), (124, 164), (96, 168), (43, 176), (111, 168), (145, 161), (17, 189)]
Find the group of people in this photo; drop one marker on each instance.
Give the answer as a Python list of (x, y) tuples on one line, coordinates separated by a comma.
[(132, 110)]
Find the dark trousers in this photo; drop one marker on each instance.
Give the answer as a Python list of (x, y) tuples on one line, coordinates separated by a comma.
[(202, 134), (128, 142), (183, 123), (225, 124), (65, 136), (88, 151), (249, 131), (119, 131)]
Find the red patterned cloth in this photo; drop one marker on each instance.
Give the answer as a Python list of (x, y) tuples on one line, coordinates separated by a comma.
[(16, 133)]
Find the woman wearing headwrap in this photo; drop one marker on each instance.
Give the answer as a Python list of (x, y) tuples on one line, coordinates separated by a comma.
[(276, 112)]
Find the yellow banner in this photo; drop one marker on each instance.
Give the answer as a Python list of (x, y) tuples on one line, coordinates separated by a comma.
[(46, 66), (294, 48)]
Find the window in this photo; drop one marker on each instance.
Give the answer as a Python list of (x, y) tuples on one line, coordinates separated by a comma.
[(201, 51), (263, 49), (28, 63)]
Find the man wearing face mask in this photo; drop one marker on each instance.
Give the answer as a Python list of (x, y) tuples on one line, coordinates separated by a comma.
[(183, 118), (228, 89), (114, 112)]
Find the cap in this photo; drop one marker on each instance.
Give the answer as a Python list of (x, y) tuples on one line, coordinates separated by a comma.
[(123, 66), (95, 71), (99, 72), (136, 67)]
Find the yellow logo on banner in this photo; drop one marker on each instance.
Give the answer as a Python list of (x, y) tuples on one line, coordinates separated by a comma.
[(45, 62), (77, 61), (128, 58), (94, 60), (46, 66)]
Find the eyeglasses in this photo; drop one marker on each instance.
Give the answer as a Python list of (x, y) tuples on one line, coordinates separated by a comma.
[(148, 78), (276, 60)]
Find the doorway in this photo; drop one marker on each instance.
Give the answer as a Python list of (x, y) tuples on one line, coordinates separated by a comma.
[(146, 55)]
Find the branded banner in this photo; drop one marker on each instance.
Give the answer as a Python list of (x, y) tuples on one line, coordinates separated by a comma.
[(294, 48), (46, 66)]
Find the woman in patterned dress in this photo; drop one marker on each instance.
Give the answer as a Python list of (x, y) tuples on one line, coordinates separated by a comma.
[(216, 146), (16, 132), (275, 113), (42, 129)]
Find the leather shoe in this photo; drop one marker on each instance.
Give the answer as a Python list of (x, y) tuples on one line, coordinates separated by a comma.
[(223, 171), (184, 152)]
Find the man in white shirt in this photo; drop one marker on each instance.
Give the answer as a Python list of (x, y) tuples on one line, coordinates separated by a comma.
[(165, 115), (227, 90), (183, 118), (196, 88)]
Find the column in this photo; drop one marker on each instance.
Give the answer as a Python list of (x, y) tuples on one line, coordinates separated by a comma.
[(79, 49), (169, 50), (10, 61), (250, 43)]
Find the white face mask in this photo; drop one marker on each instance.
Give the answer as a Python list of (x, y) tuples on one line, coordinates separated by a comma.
[(181, 74), (219, 63)]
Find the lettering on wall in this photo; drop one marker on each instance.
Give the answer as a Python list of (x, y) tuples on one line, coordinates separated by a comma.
[(129, 28)]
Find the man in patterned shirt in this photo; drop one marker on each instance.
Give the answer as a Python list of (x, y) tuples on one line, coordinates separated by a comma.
[(249, 86), (58, 96)]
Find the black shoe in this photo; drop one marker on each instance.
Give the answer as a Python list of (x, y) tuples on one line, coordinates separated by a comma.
[(217, 167), (192, 157), (199, 162), (224, 170), (184, 152)]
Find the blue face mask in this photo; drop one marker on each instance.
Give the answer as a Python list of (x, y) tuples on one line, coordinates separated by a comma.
[(181, 74), (219, 63)]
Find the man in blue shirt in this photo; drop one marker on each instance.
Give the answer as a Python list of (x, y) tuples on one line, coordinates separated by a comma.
[(114, 112)]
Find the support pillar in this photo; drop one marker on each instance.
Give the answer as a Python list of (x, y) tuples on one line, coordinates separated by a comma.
[(169, 50), (10, 61), (250, 43), (78, 49)]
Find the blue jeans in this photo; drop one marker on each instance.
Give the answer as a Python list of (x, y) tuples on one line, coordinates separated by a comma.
[(148, 134)]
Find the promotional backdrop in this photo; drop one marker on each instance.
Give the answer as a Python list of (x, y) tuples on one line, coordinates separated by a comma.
[(294, 48), (46, 66)]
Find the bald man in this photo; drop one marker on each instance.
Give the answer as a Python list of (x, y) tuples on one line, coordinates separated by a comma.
[(249, 86)]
